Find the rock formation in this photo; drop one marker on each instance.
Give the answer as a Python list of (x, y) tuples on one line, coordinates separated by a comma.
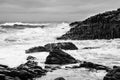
[(62, 45), (57, 56), (27, 71), (36, 49), (114, 74), (101, 26), (50, 46)]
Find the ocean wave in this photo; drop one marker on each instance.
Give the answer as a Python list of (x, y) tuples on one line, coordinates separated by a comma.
[(20, 25), (31, 35)]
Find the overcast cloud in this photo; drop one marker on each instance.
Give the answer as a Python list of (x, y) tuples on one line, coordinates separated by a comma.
[(53, 10)]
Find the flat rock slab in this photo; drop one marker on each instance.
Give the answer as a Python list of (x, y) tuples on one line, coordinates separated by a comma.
[(49, 47), (62, 45)]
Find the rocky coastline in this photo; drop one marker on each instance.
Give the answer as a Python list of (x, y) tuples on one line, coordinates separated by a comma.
[(101, 26), (54, 61)]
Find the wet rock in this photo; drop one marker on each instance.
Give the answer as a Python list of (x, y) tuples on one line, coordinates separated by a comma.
[(59, 78), (36, 49), (26, 71), (114, 74), (75, 66), (52, 67), (3, 66), (22, 74), (51, 46), (57, 56), (91, 65), (29, 58), (62, 45), (91, 47), (11, 78), (2, 77), (32, 67), (30, 70), (31, 63)]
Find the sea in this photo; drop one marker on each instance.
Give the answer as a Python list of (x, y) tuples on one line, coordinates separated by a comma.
[(16, 37)]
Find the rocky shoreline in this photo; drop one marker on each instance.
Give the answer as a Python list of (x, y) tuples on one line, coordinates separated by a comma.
[(27, 71), (56, 59)]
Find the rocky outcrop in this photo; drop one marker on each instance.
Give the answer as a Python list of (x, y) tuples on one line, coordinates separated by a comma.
[(114, 74), (57, 56), (33, 68), (101, 26), (62, 45), (36, 49), (27, 71)]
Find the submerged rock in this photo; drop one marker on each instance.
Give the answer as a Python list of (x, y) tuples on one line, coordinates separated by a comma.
[(36, 49), (62, 45), (91, 47), (57, 56), (59, 78)]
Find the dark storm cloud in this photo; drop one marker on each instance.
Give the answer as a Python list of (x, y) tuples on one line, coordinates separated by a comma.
[(58, 9)]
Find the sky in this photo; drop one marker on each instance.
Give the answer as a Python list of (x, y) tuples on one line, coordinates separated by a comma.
[(53, 10)]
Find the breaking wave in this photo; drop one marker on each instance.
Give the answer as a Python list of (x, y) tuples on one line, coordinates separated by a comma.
[(29, 34), (20, 25)]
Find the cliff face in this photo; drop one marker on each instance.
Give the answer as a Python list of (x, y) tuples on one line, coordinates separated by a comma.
[(101, 26)]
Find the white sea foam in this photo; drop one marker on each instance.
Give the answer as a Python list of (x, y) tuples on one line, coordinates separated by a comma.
[(24, 24), (15, 41)]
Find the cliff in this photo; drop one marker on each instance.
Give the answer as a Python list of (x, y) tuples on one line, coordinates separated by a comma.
[(101, 26)]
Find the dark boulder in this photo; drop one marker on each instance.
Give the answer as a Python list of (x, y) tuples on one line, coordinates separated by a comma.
[(36, 49), (57, 56), (59, 78), (114, 74), (62, 45), (22, 74), (33, 68), (2, 77), (3, 66), (91, 47), (28, 64), (26, 71), (50, 46), (29, 58), (91, 65)]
